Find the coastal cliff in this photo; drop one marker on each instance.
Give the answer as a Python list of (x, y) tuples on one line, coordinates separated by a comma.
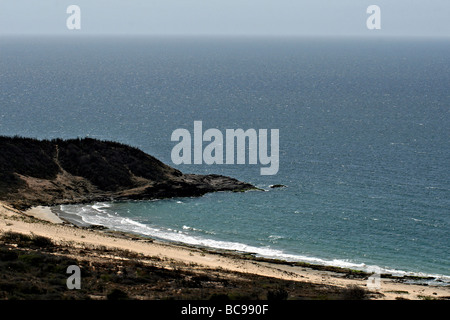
[(50, 172)]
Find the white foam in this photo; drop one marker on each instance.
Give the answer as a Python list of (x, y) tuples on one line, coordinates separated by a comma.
[(100, 217), (197, 230)]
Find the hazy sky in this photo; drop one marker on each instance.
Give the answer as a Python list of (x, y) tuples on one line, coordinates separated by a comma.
[(427, 18)]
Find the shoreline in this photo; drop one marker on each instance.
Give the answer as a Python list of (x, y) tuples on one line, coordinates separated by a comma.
[(45, 214), (41, 223), (400, 275)]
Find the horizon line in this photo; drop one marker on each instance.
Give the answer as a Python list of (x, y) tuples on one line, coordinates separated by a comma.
[(76, 34)]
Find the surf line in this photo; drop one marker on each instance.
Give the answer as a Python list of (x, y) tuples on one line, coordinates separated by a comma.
[(236, 139)]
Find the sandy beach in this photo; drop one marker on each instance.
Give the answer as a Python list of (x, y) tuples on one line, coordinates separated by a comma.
[(42, 222)]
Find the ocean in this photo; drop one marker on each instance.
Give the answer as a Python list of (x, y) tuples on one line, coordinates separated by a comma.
[(363, 148)]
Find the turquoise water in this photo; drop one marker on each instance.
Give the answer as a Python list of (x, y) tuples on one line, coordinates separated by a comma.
[(364, 138)]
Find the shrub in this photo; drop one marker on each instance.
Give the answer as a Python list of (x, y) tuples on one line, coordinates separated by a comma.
[(355, 292), (278, 294), (32, 259), (7, 255), (24, 240), (41, 242), (117, 294)]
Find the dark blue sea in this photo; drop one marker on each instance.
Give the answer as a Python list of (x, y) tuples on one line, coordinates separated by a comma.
[(364, 138)]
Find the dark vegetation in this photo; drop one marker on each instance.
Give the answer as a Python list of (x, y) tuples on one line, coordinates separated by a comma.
[(35, 172), (32, 267), (106, 164), (25, 156)]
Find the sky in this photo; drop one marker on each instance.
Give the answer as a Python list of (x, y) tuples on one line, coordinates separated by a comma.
[(409, 18)]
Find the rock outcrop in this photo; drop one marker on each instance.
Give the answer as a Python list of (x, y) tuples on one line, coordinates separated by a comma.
[(43, 172)]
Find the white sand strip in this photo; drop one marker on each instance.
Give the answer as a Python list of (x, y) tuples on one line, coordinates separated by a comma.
[(44, 213)]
